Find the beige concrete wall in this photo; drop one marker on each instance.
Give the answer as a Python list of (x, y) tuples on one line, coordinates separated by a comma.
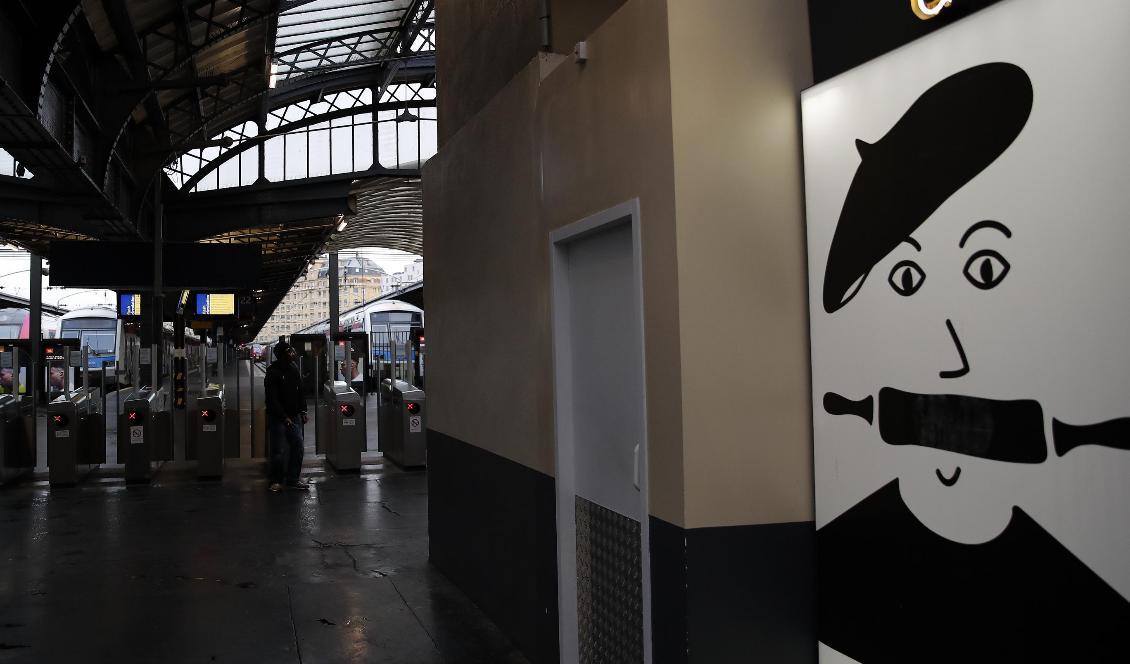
[(486, 269), (737, 71), (573, 20), (539, 155), (605, 135), (484, 43)]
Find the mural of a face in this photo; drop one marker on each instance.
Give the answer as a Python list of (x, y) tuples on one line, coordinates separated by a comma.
[(967, 211), (931, 403)]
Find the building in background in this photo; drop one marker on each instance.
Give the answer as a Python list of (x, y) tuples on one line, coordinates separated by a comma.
[(412, 273), (359, 280)]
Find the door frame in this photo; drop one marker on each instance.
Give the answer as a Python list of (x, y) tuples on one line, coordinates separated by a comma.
[(627, 212)]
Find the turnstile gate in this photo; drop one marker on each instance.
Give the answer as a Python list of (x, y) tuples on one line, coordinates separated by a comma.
[(401, 433), (17, 450), (144, 433), (207, 433), (18, 453), (76, 436), (341, 426)]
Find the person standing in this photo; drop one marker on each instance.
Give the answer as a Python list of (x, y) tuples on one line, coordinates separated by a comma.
[(286, 415)]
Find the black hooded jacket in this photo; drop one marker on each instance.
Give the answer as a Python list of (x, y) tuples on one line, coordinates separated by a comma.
[(284, 390)]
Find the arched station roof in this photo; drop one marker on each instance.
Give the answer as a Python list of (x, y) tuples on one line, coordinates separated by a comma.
[(263, 121)]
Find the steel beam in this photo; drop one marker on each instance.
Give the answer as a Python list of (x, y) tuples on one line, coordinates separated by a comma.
[(124, 30), (201, 216)]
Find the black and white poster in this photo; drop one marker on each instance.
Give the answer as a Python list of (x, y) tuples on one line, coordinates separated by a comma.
[(968, 202)]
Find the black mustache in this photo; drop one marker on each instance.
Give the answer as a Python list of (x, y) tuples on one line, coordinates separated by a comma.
[(1010, 431), (987, 428), (835, 404), (905, 416), (1112, 433)]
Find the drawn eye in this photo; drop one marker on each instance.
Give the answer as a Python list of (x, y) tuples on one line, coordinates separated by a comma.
[(906, 278), (986, 268)]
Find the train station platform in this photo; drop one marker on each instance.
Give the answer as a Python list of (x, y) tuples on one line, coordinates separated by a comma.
[(183, 571)]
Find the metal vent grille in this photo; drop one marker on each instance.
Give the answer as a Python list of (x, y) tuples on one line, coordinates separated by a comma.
[(609, 586)]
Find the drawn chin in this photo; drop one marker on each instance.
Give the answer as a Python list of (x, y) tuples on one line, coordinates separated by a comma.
[(951, 480)]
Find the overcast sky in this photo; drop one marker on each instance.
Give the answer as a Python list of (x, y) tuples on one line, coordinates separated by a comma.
[(14, 260)]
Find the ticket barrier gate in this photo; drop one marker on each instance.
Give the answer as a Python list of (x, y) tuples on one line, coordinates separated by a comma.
[(351, 360), (401, 433), (18, 454), (76, 436), (17, 451), (207, 427), (145, 433), (341, 426)]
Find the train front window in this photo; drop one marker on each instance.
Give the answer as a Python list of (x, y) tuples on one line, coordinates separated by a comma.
[(397, 320), (100, 343), (72, 326), (97, 333)]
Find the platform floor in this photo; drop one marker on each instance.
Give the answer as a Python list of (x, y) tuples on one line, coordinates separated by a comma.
[(183, 571)]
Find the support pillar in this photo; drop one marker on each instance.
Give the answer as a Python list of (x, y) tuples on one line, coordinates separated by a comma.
[(335, 312), (35, 334), (158, 295)]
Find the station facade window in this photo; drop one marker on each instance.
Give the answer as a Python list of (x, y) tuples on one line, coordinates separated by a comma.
[(240, 170), (402, 136), (340, 145), (407, 137)]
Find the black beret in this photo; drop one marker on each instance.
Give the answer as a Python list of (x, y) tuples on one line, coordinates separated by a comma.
[(281, 349), (947, 137)]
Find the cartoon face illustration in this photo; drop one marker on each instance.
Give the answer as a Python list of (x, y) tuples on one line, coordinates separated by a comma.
[(883, 217), (971, 399), (909, 227)]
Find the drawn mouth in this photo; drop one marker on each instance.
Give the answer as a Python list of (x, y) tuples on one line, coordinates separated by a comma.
[(948, 481)]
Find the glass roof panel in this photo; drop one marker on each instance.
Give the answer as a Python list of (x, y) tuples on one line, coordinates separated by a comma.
[(11, 166), (331, 34)]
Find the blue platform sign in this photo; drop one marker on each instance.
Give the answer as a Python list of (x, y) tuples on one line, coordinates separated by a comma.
[(129, 304)]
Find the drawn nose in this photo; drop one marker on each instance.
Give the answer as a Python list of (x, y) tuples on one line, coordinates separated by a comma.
[(956, 373)]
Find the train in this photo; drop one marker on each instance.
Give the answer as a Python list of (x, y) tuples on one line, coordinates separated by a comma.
[(15, 324), (115, 346), (383, 321)]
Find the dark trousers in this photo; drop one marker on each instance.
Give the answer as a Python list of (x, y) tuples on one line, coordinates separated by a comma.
[(286, 450)]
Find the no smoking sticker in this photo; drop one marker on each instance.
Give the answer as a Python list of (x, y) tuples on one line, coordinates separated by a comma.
[(415, 424)]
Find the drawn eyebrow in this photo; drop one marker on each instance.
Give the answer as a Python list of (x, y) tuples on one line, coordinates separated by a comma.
[(988, 223), (912, 242)]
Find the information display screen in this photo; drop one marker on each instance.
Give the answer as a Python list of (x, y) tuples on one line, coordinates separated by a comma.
[(129, 304), (215, 304)]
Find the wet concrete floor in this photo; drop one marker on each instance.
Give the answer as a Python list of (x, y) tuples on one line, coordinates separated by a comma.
[(185, 571)]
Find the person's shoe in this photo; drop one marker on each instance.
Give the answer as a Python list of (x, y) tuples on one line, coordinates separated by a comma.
[(276, 487), (299, 486)]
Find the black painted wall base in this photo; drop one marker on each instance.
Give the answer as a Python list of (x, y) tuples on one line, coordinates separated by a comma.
[(734, 594), (719, 595), (492, 526)]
